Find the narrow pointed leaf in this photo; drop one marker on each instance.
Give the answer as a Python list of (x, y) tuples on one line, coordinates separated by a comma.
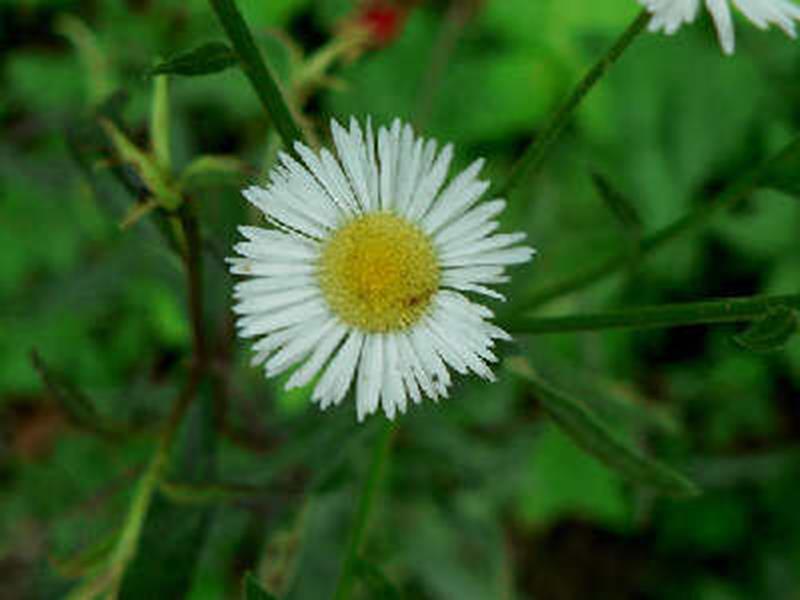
[(209, 58), (100, 81), (579, 422), (87, 560), (619, 205), (211, 492), (77, 406), (150, 173), (254, 591), (212, 168), (770, 332), (137, 212), (159, 124)]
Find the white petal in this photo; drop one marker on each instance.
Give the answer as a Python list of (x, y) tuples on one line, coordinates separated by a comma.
[(260, 285), (297, 348), (407, 168), (281, 211), (456, 199), (721, 13), (250, 266), (429, 185), (340, 195), (370, 376), (393, 396), (260, 324), (334, 383), (487, 244), (268, 302), (508, 256), (469, 222), (320, 355), (352, 154), (479, 274)]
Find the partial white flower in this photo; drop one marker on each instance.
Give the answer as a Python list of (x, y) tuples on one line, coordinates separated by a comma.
[(669, 15), (363, 279)]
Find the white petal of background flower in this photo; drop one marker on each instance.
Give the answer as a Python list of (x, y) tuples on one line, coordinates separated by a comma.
[(669, 15), (393, 175)]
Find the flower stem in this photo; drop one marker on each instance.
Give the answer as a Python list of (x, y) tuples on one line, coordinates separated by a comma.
[(262, 80), (358, 529), (537, 151), (729, 310), (695, 219)]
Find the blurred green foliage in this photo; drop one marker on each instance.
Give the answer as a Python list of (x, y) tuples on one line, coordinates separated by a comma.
[(483, 498)]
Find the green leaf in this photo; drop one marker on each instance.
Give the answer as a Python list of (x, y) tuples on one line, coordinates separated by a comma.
[(100, 81), (209, 58), (594, 436), (86, 561), (152, 175), (137, 212), (211, 168), (159, 124), (212, 492), (770, 332), (253, 590), (619, 205), (77, 406)]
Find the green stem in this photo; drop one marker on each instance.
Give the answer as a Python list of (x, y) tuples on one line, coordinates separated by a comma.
[(262, 80), (729, 198), (537, 151), (730, 310), (128, 542), (358, 529)]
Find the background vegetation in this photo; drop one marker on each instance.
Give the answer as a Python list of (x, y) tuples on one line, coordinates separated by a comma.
[(482, 496)]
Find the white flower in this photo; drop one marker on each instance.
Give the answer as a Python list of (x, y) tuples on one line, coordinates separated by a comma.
[(669, 15), (363, 277)]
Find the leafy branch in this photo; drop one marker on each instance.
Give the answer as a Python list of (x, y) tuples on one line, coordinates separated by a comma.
[(735, 193)]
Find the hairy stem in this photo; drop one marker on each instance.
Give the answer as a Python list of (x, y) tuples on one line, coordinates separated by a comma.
[(359, 527), (729, 310), (262, 80), (534, 156)]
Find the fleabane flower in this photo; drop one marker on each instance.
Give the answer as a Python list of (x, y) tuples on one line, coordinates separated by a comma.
[(362, 282), (669, 15)]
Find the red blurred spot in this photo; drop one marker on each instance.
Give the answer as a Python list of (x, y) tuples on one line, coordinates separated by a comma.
[(383, 21)]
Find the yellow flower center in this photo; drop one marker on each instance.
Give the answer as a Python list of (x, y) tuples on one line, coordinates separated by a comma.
[(379, 272)]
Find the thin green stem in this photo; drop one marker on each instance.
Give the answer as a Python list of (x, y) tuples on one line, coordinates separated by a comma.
[(194, 274), (729, 310), (262, 80), (728, 199), (359, 527), (128, 542), (533, 158)]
